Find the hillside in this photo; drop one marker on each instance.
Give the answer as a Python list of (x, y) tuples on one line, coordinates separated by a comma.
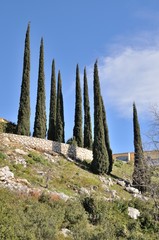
[(50, 196)]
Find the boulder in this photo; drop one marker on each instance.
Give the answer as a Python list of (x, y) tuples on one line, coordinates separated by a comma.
[(133, 212), (132, 190), (5, 173), (66, 232), (121, 183)]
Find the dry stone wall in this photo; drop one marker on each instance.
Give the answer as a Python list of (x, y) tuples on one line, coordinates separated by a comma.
[(47, 145)]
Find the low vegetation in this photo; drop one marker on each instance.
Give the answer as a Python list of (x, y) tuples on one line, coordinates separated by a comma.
[(85, 216)]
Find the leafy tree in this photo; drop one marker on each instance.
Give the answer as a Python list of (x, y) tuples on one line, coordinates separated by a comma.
[(77, 130), (52, 115), (60, 135), (106, 134), (40, 115), (23, 123), (141, 177), (87, 116), (100, 162)]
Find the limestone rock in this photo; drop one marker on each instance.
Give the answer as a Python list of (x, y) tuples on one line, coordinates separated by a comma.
[(121, 183), (5, 173), (133, 212), (66, 232), (84, 191), (132, 190), (140, 196), (106, 181), (21, 152)]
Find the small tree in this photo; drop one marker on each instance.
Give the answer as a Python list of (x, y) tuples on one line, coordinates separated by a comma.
[(23, 123), (40, 114), (60, 135), (106, 135), (141, 177), (52, 115), (100, 162), (87, 116), (77, 130)]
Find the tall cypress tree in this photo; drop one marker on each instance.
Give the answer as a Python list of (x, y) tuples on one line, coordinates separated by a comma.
[(77, 130), (100, 162), (106, 135), (60, 135), (23, 123), (52, 114), (87, 116), (141, 177), (40, 115)]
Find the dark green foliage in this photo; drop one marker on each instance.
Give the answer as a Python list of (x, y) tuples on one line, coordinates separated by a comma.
[(100, 163), (40, 115), (77, 130), (52, 115), (87, 116), (107, 142), (60, 124), (72, 141), (23, 123), (141, 177), (92, 218), (7, 127)]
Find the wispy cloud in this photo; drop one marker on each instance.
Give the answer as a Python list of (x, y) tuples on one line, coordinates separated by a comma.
[(131, 74)]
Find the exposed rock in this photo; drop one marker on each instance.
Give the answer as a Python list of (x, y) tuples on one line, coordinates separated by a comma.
[(133, 212), (63, 196), (20, 151), (140, 196), (49, 157), (84, 191), (113, 193), (5, 173), (20, 160), (107, 181), (132, 190), (23, 181), (121, 183), (66, 232)]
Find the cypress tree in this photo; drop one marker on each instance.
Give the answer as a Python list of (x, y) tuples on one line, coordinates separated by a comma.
[(100, 162), (60, 136), (52, 114), (40, 114), (106, 135), (87, 116), (23, 123), (77, 130), (140, 175)]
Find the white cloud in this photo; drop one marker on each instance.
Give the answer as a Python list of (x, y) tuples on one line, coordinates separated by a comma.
[(131, 75)]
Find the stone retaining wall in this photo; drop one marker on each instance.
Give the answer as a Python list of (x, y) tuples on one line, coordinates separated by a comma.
[(47, 145)]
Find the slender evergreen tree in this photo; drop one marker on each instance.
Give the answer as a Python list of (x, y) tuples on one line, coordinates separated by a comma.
[(100, 162), (77, 130), (52, 114), (141, 177), (87, 116), (40, 114), (60, 135), (23, 123), (106, 135)]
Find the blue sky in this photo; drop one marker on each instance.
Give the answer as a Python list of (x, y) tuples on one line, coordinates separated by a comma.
[(123, 35)]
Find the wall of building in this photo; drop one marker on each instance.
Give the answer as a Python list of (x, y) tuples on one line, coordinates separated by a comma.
[(126, 157)]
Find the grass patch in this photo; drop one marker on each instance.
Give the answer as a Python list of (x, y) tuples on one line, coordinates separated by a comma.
[(123, 170)]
